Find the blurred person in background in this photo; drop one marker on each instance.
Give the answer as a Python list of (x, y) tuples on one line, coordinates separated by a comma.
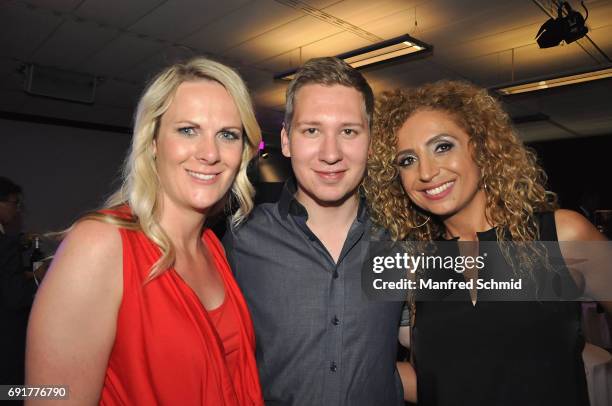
[(17, 286)]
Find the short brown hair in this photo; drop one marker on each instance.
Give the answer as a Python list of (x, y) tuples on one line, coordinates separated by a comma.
[(328, 71)]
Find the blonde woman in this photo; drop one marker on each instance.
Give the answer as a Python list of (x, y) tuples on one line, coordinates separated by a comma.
[(446, 165), (139, 305)]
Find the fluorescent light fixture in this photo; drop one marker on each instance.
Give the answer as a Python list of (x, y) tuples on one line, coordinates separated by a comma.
[(550, 82), (391, 50)]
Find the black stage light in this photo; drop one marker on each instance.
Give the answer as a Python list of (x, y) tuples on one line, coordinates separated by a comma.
[(567, 28)]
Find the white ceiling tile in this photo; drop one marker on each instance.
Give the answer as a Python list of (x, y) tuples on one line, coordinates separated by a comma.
[(323, 4), (532, 61), (362, 12), (121, 54), (401, 75), (116, 13), (297, 33), (603, 38), (176, 19), (245, 23), (487, 71), (600, 12), (73, 43), (23, 29), (393, 25), (280, 63), (330, 46), (334, 45)]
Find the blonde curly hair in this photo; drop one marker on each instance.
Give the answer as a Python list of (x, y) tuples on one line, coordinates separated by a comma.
[(514, 182)]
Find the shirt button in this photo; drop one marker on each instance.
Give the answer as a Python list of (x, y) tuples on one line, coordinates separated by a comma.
[(335, 321), (333, 367)]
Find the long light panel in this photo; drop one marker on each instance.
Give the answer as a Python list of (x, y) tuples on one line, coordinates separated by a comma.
[(547, 83), (386, 51)]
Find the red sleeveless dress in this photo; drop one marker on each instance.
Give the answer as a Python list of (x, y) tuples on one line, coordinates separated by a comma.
[(167, 349)]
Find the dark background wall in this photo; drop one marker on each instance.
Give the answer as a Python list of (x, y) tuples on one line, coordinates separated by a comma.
[(579, 170), (63, 171)]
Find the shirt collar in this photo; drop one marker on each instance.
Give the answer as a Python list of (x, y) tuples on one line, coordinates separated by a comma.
[(288, 204)]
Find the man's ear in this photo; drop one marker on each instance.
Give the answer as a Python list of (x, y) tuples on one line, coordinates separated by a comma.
[(285, 142)]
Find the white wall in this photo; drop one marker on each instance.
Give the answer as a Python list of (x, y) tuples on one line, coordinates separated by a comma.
[(63, 171)]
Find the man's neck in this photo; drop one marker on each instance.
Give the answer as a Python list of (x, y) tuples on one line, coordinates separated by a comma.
[(330, 215), (330, 222)]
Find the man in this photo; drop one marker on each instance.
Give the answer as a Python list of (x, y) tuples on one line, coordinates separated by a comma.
[(16, 289), (298, 261)]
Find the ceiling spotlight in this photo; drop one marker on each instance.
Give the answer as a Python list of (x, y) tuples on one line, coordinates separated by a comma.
[(567, 28), (386, 51)]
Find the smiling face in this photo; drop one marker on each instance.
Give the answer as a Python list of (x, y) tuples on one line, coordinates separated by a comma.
[(328, 144), (436, 167), (198, 147)]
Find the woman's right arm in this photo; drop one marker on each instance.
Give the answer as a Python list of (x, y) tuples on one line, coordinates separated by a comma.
[(72, 325), (405, 369)]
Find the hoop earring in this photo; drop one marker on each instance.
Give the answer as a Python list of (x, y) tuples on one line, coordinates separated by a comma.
[(421, 225)]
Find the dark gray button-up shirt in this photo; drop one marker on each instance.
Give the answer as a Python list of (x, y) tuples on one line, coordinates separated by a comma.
[(319, 340)]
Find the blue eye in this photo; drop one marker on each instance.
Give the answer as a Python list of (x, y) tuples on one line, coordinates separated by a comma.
[(229, 135), (187, 131), (405, 161)]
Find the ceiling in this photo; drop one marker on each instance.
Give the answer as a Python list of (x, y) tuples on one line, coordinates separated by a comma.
[(124, 42)]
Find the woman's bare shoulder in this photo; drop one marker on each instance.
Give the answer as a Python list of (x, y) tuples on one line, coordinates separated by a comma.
[(573, 226), (88, 259)]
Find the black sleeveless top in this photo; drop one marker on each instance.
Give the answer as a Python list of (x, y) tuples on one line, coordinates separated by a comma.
[(500, 353)]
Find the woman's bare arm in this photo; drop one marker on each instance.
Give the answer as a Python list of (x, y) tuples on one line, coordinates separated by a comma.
[(593, 258), (72, 324)]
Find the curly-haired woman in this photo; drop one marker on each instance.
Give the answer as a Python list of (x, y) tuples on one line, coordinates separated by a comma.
[(140, 306), (447, 165)]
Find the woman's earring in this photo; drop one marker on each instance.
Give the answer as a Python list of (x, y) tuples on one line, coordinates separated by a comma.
[(425, 222)]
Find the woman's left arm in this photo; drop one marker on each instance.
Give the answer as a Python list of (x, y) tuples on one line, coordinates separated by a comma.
[(594, 259)]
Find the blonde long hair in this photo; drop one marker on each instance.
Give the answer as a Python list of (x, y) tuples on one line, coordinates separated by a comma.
[(140, 186)]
